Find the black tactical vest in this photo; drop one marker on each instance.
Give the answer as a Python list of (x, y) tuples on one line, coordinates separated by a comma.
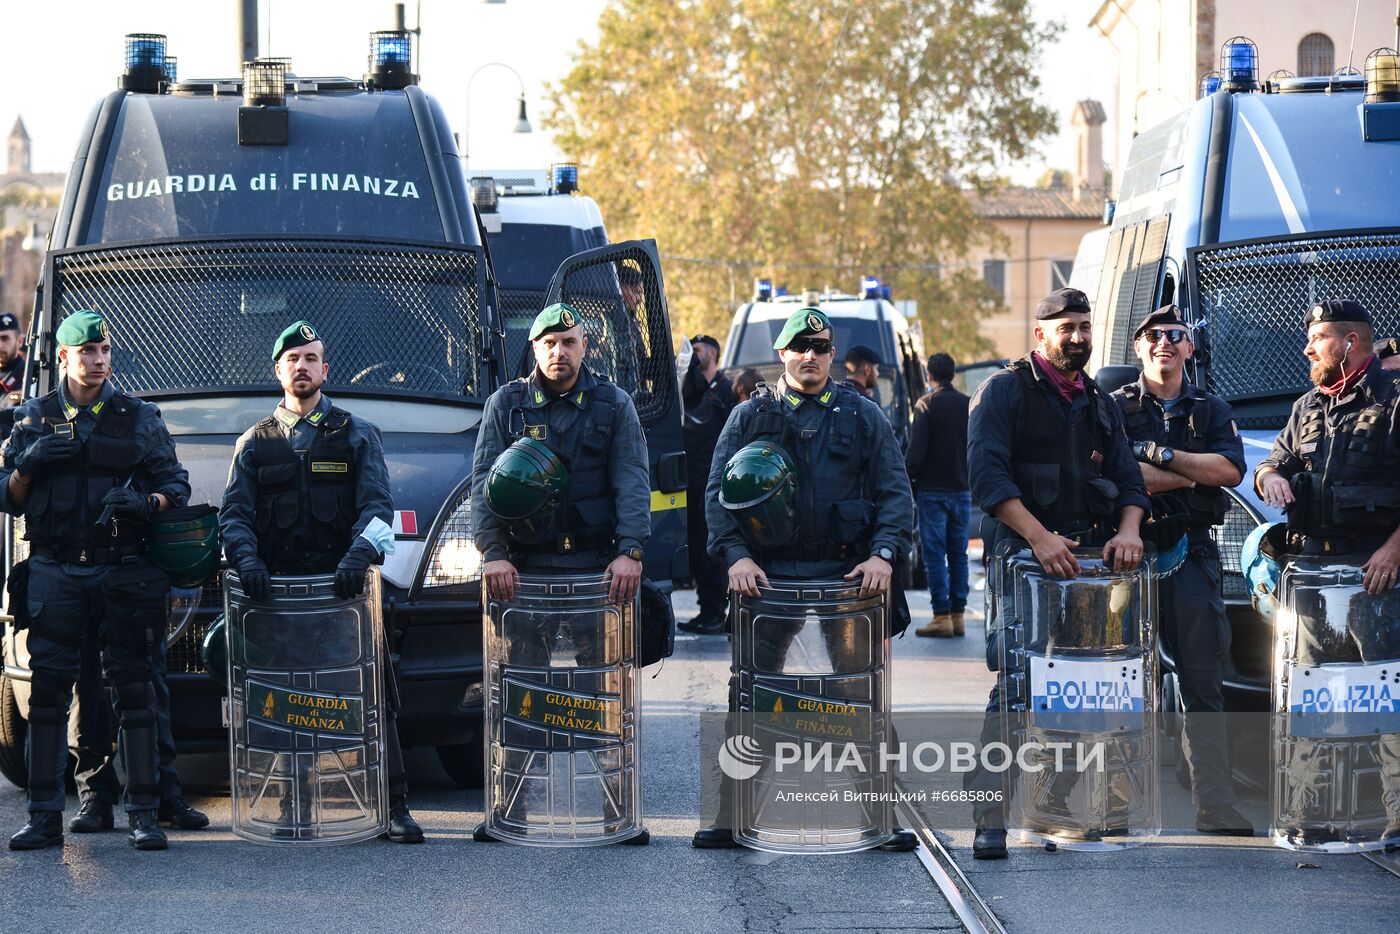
[(587, 517), (305, 504), (837, 510), (1054, 461), (1350, 484), (1145, 420), (65, 499)]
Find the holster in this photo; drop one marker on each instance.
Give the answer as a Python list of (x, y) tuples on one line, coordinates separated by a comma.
[(18, 588)]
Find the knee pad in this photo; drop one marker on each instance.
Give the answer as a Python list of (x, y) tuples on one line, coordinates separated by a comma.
[(133, 690), (49, 690)]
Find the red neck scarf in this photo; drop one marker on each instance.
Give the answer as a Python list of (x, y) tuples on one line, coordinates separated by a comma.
[(1066, 387), (1349, 381)]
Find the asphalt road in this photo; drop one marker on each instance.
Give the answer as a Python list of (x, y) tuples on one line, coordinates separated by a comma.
[(210, 879)]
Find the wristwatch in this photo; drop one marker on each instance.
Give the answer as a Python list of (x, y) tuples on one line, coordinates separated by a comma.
[(154, 502), (884, 551), (634, 553), (1164, 456)]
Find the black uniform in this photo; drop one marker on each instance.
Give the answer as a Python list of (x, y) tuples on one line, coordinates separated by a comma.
[(707, 406), (11, 378), (1069, 464), (1192, 608)]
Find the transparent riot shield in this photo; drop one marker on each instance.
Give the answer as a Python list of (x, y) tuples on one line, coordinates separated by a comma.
[(1078, 700), (1336, 723), (812, 662), (562, 714), (306, 712)]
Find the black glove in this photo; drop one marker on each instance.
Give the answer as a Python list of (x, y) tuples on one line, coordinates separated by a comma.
[(253, 576), (49, 449), (1150, 452), (350, 573), (127, 503)]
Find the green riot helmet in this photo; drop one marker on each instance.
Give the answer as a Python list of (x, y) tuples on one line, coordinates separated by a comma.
[(525, 487), (214, 650), (185, 543), (760, 487)]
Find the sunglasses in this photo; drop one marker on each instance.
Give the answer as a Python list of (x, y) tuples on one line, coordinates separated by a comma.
[(818, 345), (1175, 335)]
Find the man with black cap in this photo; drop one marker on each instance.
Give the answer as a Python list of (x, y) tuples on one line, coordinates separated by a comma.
[(1188, 449), (11, 360), (335, 458), (857, 511), (862, 371), (1335, 471), (708, 398), (1050, 466), (105, 456)]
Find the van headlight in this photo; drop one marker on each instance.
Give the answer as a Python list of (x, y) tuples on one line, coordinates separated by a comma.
[(455, 559)]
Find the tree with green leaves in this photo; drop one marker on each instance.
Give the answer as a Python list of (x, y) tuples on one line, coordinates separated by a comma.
[(809, 141)]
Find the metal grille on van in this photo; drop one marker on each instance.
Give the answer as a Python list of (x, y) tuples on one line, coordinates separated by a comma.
[(1252, 297), (204, 314), (1229, 538)]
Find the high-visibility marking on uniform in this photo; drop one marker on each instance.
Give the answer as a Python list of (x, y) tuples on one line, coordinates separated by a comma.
[(826, 396), (315, 417), (662, 501), (539, 396), (405, 522), (329, 467), (794, 399)]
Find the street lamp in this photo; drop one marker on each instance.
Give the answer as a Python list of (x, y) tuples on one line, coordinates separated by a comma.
[(522, 123)]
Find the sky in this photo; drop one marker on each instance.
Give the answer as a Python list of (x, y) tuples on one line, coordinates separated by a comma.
[(56, 79)]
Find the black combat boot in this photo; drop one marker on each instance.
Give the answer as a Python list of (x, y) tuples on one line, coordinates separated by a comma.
[(45, 828), (1223, 820), (178, 814), (93, 816), (901, 841), (145, 832), (402, 827)]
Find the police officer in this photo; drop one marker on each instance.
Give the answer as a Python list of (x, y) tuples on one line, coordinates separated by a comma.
[(1335, 470), (306, 427), (604, 518), (1053, 495), (862, 371), (856, 512), (1388, 352), (86, 452), (1188, 448), (708, 398), (11, 361)]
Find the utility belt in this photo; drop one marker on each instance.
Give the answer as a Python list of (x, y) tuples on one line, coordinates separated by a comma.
[(564, 546), (1300, 543), (92, 555), (816, 551)]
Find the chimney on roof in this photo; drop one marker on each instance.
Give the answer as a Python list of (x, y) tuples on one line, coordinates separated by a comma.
[(1088, 119)]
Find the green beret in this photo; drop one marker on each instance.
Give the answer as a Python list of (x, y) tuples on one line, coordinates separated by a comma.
[(557, 317), (298, 334), (81, 327), (803, 321)]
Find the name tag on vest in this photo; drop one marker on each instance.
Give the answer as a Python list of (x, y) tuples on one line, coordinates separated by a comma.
[(329, 467)]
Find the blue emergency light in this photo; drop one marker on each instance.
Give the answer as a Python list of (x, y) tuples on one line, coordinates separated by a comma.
[(869, 287), (172, 69), (390, 48), (563, 177), (780, 291), (145, 50), (886, 292), (1210, 83), (1239, 64), (762, 290)]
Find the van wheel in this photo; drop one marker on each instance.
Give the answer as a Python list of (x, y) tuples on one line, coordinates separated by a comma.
[(464, 763), (13, 729)]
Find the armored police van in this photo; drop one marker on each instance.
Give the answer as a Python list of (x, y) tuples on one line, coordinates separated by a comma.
[(870, 319), (1245, 209), (202, 216)]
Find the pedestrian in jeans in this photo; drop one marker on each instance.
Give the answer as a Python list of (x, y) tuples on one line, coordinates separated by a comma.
[(937, 464)]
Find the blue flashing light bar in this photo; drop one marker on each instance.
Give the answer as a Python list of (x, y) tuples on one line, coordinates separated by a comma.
[(1210, 83), (780, 291), (172, 69), (1239, 64), (564, 177), (886, 292), (762, 290), (869, 287)]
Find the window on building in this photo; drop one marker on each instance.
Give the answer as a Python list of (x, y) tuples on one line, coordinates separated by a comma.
[(994, 274), (1316, 55), (1059, 273)]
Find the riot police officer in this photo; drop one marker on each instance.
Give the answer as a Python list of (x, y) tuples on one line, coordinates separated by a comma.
[(561, 421), (1335, 470), (1188, 448), (1036, 488), (307, 431), (855, 510), (12, 360), (87, 466)]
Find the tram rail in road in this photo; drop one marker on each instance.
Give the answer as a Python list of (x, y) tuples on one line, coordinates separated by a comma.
[(969, 906)]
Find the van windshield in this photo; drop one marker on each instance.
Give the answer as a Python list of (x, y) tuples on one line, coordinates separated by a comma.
[(756, 341), (188, 317)]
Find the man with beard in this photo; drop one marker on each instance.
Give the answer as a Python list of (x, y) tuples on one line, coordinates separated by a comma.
[(11, 361), (708, 399), (1335, 471), (1188, 448), (307, 432), (1049, 463)]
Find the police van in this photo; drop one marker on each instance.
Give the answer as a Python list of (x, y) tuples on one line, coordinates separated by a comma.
[(200, 217), (1260, 199), (869, 318)]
